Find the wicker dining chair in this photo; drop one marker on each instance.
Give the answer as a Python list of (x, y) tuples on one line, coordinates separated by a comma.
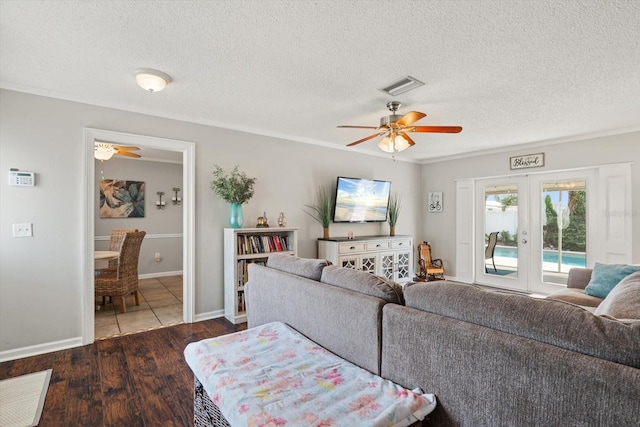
[(124, 280), (115, 243)]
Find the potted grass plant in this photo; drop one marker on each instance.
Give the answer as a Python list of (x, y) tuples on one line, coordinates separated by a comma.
[(235, 188), (322, 209), (394, 211)]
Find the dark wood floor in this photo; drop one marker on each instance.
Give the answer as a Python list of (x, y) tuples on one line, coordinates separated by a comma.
[(135, 380)]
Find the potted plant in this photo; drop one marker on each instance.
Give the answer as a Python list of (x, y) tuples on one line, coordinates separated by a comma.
[(235, 188), (322, 209), (394, 211)]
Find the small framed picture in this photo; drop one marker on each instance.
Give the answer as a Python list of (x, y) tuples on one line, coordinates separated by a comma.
[(434, 201)]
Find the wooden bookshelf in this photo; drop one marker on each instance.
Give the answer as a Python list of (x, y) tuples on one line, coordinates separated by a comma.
[(243, 246)]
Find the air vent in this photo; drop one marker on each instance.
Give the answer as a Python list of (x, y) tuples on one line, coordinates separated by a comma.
[(403, 85)]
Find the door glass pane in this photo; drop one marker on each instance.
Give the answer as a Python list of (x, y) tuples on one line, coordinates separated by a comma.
[(564, 228), (501, 230)]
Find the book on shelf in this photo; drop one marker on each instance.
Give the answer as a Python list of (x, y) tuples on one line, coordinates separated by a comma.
[(242, 276), (262, 244)]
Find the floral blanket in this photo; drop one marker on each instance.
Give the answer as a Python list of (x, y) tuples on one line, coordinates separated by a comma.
[(273, 376)]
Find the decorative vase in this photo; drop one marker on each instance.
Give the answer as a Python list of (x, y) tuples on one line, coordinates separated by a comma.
[(392, 230), (235, 215), (326, 232), (282, 220)]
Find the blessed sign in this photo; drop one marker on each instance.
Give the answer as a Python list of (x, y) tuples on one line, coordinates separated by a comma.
[(527, 161)]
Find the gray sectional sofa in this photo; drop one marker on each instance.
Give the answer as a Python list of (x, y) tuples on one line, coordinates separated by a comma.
[(491, 358)]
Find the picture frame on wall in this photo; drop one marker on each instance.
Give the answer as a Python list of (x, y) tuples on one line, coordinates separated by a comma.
[(121, 199), (434, 201)]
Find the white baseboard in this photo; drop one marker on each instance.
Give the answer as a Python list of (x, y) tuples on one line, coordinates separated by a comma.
[(161, 274), (209, 315), (34, 350)]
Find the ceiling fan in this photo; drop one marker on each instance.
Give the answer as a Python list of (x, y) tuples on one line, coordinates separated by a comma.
[(105, 150), (395, 128)]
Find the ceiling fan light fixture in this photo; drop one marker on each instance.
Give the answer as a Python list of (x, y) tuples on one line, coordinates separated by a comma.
[(386, 144), (402, 85), (393, 143), (400, 143), (152, 80), (104, 151)]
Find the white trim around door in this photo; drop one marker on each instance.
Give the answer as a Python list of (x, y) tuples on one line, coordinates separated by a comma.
[(89, 187)]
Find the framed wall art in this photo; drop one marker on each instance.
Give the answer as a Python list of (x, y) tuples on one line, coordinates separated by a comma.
[(434, 201), (121, 199)]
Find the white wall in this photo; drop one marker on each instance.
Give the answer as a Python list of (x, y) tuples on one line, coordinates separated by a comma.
[(163, 227), (40, 277), (440, 228)]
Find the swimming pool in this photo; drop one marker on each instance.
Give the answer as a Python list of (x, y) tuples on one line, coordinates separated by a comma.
[(574, 259)]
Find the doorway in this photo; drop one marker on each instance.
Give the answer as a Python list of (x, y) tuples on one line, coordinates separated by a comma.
[(541, 224), (187, 152)]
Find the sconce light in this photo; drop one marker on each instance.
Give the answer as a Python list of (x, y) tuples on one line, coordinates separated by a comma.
[(175, 199), (160, 204)]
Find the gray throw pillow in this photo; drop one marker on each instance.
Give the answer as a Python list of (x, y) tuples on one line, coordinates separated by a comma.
[(305, 267), (623, 302), (365, 283)]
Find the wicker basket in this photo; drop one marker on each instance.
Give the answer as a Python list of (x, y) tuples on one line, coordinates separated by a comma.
[(205, 413)]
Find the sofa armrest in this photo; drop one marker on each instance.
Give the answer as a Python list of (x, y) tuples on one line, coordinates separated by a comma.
[(579, 278)]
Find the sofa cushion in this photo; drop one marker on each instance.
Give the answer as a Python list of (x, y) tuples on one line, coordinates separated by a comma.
[(623, 302), (606, 276), (365, 283), (552, 322), (576, 296), (305, 267)]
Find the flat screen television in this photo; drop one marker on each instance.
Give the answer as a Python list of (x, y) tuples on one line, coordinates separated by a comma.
[(361, 200)]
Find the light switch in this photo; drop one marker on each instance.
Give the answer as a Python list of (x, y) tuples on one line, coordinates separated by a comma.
[(23, 230)]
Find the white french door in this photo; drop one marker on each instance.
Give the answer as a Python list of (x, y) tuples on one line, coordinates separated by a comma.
[(502, 206), (545, 223)]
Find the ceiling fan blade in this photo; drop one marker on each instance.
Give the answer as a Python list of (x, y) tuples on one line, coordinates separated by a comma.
[(127, 154), (125, 148), (410, 118), (358, 127), (409, 140), (375, 135), (437, 129)]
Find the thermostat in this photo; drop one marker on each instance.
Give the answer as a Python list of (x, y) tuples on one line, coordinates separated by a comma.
[(22, 178)]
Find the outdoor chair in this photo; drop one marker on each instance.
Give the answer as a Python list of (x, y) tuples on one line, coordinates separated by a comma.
[(431, 269), (124, 280), (490, 249)]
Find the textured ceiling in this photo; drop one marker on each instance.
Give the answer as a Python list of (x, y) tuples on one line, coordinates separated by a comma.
[(508, 72)]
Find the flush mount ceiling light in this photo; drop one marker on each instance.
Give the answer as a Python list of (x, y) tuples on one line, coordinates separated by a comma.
[(151, 80), (402, 85)]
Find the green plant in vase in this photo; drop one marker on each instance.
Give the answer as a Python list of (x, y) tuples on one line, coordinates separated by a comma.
[(235, 188), (322, 209), (394, 210)]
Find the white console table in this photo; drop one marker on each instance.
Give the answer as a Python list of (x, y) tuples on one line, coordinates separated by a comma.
[(387, 256)]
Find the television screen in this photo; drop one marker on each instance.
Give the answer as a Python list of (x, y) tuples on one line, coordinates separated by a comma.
[(361, 200)]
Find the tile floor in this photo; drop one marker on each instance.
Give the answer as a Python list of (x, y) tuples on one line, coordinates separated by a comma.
[(160, 305)]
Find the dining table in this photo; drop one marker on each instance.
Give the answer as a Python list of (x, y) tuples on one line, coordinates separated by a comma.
[(101, 255)]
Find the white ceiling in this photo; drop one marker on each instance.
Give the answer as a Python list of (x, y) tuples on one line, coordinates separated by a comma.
[(509, 72)]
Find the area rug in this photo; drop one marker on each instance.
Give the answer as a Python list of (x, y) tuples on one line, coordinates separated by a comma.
[(22, 399)]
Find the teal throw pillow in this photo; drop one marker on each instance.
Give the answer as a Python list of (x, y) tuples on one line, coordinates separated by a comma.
[(606, 276)]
